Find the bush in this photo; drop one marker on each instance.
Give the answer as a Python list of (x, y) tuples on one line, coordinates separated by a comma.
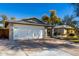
[(75, 41), (1, 27)]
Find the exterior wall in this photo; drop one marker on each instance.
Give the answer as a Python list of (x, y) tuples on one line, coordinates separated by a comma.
[(25, 32), (60, 32), (63, 32), (71, 31)]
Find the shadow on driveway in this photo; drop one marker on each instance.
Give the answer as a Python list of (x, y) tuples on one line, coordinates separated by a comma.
[(43, 45), (35, 45)]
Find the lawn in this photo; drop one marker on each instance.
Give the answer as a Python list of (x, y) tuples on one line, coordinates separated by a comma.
[(74, 39)]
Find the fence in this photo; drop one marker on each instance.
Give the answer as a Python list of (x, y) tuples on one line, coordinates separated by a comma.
[(4, 33)]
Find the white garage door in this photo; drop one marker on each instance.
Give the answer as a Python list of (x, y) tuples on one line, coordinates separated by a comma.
[(26, 32)]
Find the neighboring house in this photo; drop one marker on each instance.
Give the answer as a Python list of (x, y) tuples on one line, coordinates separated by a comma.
[(26, 29), (63, 31)]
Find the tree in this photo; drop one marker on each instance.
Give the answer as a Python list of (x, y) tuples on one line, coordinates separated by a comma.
[(4, 20), (76, 9), (76, 14), (69, 20), (53, 18), (4, 17), (58, 21), (13, 18), (46, 19)]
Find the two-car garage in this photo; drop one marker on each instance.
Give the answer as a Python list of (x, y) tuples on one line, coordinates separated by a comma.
[(27, 32)]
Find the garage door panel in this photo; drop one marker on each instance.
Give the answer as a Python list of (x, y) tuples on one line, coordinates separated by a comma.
[(27, 32)]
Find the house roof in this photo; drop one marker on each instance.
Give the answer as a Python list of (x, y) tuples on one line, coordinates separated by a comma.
[(30, 21), (33, 20), (63, 26)]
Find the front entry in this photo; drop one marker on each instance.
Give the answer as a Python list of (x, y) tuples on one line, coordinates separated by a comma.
[(49, 32)]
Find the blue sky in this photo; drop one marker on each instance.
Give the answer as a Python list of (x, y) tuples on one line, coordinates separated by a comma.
[(27, 10)]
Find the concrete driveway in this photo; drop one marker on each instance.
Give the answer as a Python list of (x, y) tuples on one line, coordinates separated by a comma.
[(35, 48)]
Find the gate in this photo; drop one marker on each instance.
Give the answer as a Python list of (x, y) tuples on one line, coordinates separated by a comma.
[(4, 33)]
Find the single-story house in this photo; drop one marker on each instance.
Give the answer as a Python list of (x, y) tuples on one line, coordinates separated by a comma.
[(27, 29), (63, 31)]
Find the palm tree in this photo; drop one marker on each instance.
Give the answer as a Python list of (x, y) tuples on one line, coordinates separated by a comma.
[(53, 18)]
